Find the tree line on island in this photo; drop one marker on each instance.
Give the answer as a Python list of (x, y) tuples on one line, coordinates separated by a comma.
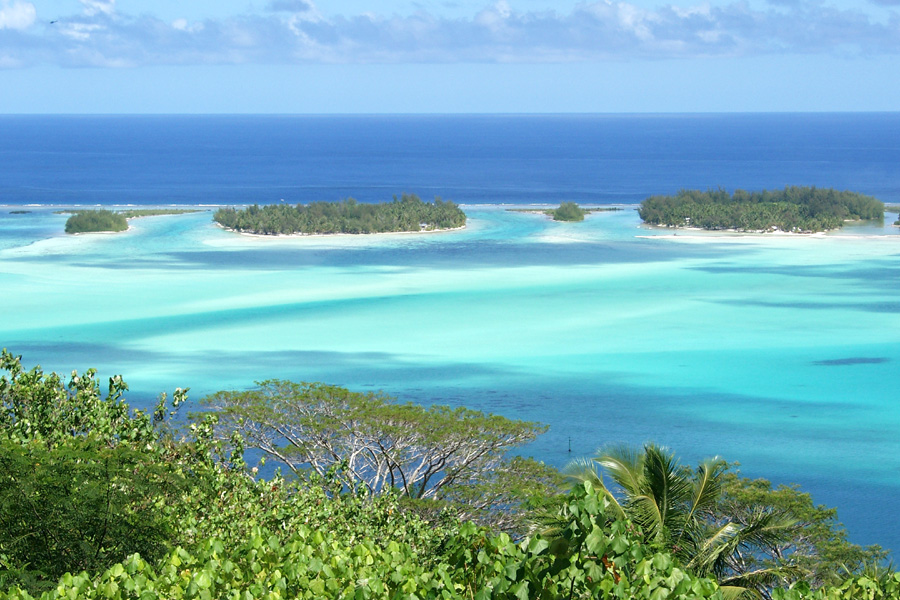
[(102, 220), (793, 209), (384, 500), (405, 214)]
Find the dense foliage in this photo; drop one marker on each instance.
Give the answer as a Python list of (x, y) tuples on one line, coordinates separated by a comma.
[(568, 211), (92, 221), (796, 209), (99, 501), (743, 533), (408, 213), (815, 544)]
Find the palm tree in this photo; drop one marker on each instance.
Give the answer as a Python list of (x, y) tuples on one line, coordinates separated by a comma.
[(676, 508)]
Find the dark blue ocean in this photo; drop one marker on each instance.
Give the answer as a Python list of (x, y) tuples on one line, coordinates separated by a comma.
[(780, 352), (467, 159)]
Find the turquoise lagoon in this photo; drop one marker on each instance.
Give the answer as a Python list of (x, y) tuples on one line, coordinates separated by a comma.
[(780, 352)]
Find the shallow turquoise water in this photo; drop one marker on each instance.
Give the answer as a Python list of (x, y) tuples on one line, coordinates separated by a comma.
[(778, 352)]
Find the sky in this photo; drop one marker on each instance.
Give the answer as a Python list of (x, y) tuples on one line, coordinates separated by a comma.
[(448, 56)]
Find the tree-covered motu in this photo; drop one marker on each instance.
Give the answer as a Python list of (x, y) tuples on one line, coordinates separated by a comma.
[(408, 213), (101, 501), (93, 221), (568, 211), (793, 209)]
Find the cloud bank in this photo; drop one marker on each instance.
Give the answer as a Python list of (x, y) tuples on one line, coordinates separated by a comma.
[(17, 15), (293, 31)]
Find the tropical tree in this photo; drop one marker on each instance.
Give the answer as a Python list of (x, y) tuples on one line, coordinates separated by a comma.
[(675, 507), (455, 456), (818, 543)]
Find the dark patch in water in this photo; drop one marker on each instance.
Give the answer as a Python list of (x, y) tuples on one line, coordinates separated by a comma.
[(877, 307), (856, 360)]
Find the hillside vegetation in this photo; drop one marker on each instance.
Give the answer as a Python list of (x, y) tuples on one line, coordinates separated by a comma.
[(408, 213), (793, 209), (101, 501)]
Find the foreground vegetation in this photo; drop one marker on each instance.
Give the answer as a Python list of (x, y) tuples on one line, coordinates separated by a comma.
[(99, 501), (101, 220), (408, 213), (794, 209)]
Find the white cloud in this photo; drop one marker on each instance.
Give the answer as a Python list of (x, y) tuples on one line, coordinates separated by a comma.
[(184, 25), (596, 30), (80, 31), (17, 15), (97, 7)]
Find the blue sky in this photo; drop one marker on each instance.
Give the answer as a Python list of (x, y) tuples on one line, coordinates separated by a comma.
[(413, 56)]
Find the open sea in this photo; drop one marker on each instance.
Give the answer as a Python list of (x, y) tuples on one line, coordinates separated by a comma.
[(779, 352)]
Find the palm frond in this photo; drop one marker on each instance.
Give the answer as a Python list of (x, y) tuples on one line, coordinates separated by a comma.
[(625, 464), (707, 485), (764, 578), (731, 592), (667, 484), (647, 513), (711, 547), (583, 470)]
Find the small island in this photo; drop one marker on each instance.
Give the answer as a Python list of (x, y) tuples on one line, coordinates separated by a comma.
[(96, 221), (108, 221), (406, 214), (793, 209), (567, 211)]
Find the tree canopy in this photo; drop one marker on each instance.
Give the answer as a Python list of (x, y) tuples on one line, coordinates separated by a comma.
[(408, 213), (436, 452), (794, 209)]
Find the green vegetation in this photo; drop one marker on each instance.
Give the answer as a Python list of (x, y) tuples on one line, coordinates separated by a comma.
[(568, 211), (19, 212), (408, 213), (457, 457), (795, 209), (93, 221), (100, 501), (740, 532)]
